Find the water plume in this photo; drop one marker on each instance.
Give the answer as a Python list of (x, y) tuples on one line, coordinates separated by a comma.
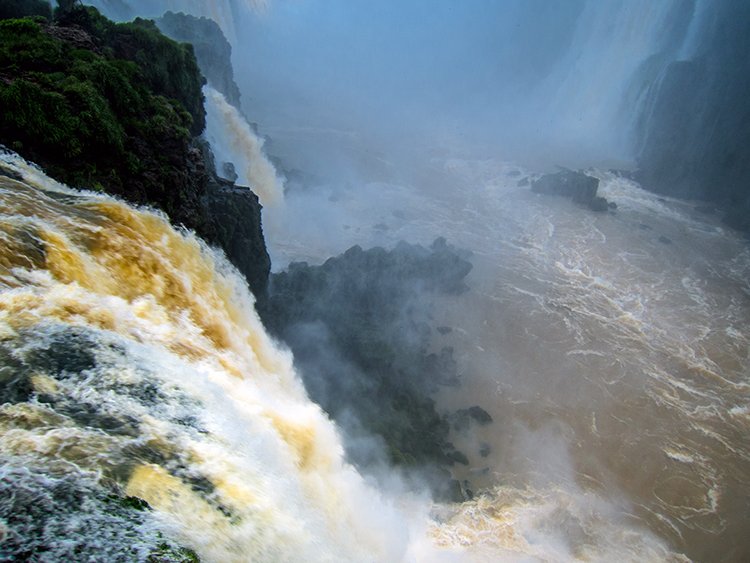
[(233, 140)]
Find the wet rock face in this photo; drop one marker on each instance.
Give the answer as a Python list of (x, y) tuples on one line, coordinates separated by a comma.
[(360, 329), (235, 214), (74, 35), (575, 185)]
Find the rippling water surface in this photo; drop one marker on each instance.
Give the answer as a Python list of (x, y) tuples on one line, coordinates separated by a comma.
[(611, 350)]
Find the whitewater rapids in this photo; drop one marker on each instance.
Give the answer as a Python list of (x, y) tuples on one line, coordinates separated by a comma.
[(135, 364), (610, 349)]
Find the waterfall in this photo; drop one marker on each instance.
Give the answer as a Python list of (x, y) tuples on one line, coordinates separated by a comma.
[(613, 40), (233, 140), (134, 364), (135, 370)]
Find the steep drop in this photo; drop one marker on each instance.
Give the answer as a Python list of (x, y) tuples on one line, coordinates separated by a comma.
[(134, 365)]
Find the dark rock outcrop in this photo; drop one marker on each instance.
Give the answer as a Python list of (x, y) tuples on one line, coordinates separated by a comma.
[(236, 221), (359, 327), (462, 419), (575, 185)]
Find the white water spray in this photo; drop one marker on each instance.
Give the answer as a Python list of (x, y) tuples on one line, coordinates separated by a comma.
[(233, 140)]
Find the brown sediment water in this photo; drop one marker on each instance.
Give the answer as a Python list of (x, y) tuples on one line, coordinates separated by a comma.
[(613, 363)]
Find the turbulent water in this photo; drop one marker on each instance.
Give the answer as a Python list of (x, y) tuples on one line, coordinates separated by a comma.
[(611, 350), (133, 363)]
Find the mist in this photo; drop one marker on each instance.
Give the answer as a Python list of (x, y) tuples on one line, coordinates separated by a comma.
[(532, 79), (607, 347)]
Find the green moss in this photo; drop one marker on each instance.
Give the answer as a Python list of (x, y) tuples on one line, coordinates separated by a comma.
[(166, 553)]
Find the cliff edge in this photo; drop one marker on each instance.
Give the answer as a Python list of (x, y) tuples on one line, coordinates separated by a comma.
[(118, 108)]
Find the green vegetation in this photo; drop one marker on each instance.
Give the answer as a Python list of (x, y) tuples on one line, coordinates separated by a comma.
[(98, 104), (24, 8), (117, 108), (166, 553)]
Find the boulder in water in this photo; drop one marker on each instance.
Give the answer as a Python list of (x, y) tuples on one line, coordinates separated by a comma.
[(457, 457), (578, 186)]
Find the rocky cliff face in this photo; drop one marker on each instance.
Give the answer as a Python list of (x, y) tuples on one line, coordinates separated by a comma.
[(694, 140), (115, 107), (212, 50), (360, 329)]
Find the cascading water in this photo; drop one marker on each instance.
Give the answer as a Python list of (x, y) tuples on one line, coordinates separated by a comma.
[(583, 95), (611, 349), (136, 365), (233, 140)]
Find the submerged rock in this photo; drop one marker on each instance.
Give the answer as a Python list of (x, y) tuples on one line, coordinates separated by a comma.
[(458, 457)]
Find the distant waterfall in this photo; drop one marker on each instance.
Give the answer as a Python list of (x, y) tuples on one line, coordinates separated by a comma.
[(586, 95), (233, 140)]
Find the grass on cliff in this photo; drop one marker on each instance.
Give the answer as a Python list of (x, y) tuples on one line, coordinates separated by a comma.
[(95, 102)]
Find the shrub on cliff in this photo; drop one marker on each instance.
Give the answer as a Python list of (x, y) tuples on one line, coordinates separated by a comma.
[(168, 68), (83, 115)]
